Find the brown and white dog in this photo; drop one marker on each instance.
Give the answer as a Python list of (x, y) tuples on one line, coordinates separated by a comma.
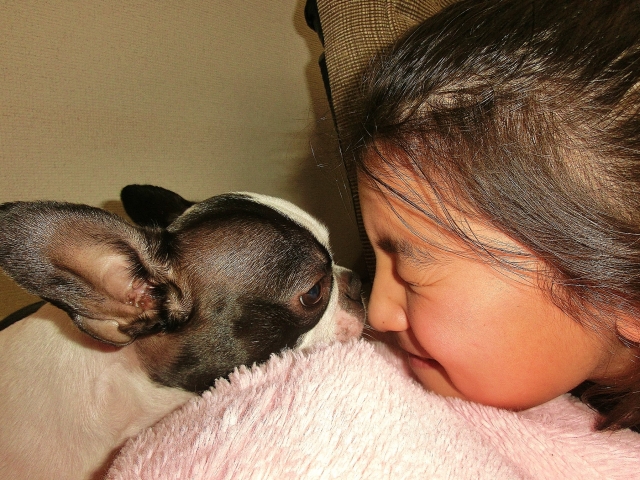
[(160, 310)]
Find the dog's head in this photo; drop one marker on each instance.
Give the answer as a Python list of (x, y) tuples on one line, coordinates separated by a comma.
[(200, 287)]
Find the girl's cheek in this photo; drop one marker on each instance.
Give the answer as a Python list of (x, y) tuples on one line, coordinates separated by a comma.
[(435, 312), (430, 321)]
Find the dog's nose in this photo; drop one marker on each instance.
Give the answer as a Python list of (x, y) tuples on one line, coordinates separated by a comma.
[(351, 284)]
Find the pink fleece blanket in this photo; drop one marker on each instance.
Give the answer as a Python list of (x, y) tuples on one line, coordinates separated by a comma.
[(352, 411)]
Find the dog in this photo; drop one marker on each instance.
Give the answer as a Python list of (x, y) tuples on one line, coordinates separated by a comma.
[(140, 318)]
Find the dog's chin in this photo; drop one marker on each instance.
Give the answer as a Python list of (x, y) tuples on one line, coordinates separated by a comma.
[(349, 322)]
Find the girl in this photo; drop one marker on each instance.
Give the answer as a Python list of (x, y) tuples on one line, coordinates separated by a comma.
[(499, 175)]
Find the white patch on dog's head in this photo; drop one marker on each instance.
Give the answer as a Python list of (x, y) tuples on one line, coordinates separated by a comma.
[(296, 214)]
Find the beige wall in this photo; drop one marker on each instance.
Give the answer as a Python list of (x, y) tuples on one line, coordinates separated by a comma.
[(201, 97)]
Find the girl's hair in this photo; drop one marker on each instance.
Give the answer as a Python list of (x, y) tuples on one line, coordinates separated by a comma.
[(525, 114)]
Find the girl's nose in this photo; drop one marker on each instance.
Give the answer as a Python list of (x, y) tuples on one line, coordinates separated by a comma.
[(386, 311)]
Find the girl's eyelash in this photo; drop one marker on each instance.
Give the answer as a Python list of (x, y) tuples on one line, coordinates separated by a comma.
[(412, 280)]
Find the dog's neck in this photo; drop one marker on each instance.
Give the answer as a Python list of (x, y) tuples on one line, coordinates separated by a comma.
[(117, 399), (20, 314)]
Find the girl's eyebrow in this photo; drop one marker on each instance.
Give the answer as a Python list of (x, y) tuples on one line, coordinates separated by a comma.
[(406, 249)]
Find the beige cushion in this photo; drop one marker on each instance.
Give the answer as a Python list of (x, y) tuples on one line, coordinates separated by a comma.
[(354, 30)]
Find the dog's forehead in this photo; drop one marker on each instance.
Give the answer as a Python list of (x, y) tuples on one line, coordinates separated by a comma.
[(283, 207), (294, 213)]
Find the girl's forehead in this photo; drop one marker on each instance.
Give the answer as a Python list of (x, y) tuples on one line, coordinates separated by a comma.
[(406, 210), (402, 194)]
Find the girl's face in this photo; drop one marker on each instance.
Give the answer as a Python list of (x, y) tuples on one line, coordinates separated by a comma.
[(471, 329)]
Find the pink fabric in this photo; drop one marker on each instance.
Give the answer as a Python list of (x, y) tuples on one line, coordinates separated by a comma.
[(353, 411)]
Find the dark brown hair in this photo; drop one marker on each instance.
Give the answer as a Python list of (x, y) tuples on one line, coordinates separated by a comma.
[(526, 115)]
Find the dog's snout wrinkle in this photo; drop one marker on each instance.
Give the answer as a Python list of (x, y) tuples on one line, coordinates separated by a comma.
[(355, 288)]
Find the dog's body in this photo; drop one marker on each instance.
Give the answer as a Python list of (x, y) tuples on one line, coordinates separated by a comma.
[(168, 308)]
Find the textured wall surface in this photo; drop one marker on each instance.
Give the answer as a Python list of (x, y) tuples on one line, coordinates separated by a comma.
[(201, 97)]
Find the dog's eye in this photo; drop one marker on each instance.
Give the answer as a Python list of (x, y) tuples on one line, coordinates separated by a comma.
[(313, 296)]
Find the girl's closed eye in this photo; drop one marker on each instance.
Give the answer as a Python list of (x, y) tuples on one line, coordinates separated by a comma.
[(418, 276)]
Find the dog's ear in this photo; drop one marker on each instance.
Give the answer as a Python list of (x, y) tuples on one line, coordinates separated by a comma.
[(107, 274), (150, 206)]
